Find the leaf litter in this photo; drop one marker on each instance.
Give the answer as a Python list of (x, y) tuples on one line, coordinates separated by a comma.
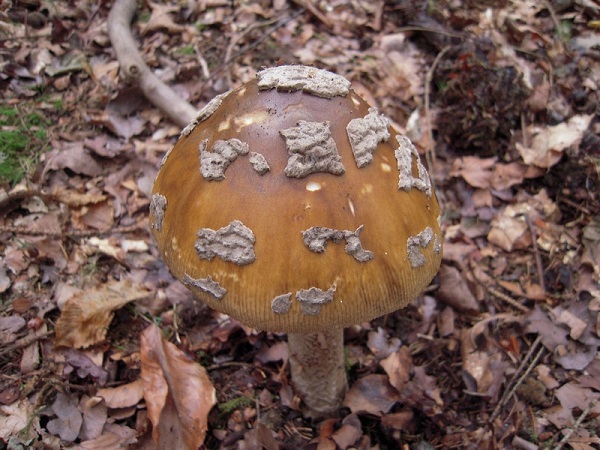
[(500, 352)]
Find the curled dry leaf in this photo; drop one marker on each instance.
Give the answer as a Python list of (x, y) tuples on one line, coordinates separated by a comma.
[(178, 393), (398, 366), (371, 394), (86, 316), (95, 413), (475, 171), (548, 143), (382, 346), (122, 396), (72, 156), (349, 432), (483, 366), (68, 421), (509, 231), (454, 290), (16, 417)]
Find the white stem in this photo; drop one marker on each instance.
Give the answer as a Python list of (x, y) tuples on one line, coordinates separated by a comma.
[(318, 372)]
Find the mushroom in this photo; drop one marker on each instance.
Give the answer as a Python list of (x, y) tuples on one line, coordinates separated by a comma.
[(292, 206)]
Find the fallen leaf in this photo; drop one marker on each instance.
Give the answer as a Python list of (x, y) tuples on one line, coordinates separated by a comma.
[(114, 437), (84, 367), (349, 432), (371, 394), (482, 364), (122, 396), (509, 232), (421, 392), (273, 353), (95, 414), (571, 396), (72, 156), (381, 345), (17, 417), (549, 143), (398, 367), (4, 279), (402, 420), (505, 176), (86, 316), (454, 290), (475, 171), (68, 421), (178, 393)]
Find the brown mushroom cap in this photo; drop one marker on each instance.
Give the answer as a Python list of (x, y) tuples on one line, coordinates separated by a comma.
[(261, 208)]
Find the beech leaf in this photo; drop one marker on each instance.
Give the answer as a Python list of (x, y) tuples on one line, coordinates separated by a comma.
[(86, 316), (178, 393)]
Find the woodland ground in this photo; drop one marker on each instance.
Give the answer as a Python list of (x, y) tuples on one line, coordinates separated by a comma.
[(501, 97)]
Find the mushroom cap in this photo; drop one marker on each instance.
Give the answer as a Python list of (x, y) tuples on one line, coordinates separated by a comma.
[(291, 205)]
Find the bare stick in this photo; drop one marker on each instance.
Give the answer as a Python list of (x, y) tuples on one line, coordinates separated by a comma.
[(135, 69), (568, 434)]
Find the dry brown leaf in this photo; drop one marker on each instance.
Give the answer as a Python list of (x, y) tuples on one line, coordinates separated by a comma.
[(178, 393), (483, 367), (69, 419), (349, 432), (160, 19), (95, 413), (371, 394), (122, 396), (114, 437), (273, 353), (506, 175), (571, 396), (381, 345), (509, 231), (548, 143), (72, 156), (86, 316), (402, 420), (454, 290), (475, 171), (16, 417), (75, 198), (398, 366)]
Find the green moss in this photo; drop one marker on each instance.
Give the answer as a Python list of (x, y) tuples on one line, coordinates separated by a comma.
[(235, 403), (22, 139)]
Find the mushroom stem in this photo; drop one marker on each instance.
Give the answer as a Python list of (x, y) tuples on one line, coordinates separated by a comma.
[(318, 372)]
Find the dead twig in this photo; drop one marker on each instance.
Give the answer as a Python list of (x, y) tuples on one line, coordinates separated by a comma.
[(536, 253), (24, 231), (25, 342), (516, 382), (506, 298), (135, 69), (430, 151), (314, 11), (579, 421)]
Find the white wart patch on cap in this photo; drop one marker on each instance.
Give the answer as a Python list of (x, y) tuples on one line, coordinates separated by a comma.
[(158, 206), (282, 303), (311, 300), (404, 157), (233, 243), (311, 149), (365, 134), (213, 163), (259, 163), (415, 244), (204, 113), (310, 80), (315, 238), (207, 285)]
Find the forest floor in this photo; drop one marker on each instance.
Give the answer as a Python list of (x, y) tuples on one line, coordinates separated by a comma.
[(501, 97)]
